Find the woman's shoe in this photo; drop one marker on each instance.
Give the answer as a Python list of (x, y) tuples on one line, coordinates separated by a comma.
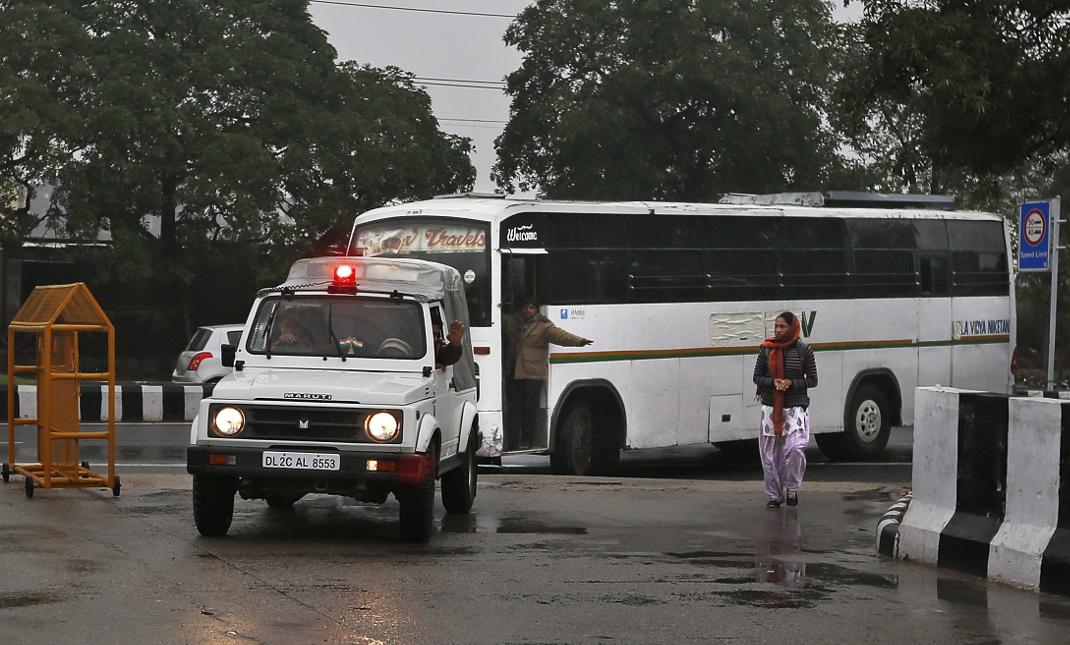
[(773, 503), (793, 498)]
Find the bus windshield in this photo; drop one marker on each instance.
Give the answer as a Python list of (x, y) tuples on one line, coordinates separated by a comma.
[(460, 244), (333, 326)]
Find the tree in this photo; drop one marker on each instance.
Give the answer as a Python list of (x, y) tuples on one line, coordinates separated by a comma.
[(960, 87), (205, 136), (669, 99), (43, 77)]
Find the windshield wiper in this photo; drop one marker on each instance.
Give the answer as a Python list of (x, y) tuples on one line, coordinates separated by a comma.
[(330, 331), (267, 331)]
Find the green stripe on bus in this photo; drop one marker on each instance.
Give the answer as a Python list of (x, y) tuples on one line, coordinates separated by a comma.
[(655, 354)]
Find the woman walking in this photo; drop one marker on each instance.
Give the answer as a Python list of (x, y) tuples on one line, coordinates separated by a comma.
[(784, 371)]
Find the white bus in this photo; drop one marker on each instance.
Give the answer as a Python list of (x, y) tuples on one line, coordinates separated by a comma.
[(678, 296)]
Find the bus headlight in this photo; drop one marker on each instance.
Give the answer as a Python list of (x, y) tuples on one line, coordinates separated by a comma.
[(229, 421), (381, 426)]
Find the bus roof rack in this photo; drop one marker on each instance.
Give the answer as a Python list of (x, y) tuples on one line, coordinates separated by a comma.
[(471, 194), (844, 199)]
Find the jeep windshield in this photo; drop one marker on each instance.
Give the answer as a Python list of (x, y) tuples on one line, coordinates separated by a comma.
[(339, 326)]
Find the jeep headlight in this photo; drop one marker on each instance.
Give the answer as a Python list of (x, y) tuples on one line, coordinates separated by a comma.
[(229, 421), (381, 426)]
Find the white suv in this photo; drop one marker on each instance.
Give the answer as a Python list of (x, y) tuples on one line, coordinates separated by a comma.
[(201, 362), (336, 389)]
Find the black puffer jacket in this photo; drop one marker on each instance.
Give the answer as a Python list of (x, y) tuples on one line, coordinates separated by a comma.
[(799, 366)]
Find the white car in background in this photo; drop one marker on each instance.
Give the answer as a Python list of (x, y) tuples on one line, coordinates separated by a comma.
[(200, 362)]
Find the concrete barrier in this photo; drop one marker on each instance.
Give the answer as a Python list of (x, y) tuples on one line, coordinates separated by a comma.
[(134, 402), (1032, 492), (991, 493)]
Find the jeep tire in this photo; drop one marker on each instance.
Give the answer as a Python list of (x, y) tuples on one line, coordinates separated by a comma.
[(417, 502), (459, 485), (213, 504)]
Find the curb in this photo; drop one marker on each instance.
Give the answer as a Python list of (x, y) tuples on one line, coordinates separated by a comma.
[(888, 527), (134, 402)]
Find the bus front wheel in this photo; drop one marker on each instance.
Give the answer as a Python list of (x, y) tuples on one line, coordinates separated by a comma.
[(580, 449)]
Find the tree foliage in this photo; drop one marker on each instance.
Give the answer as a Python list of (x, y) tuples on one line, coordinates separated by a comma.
[(669, 99), (227, 121), (958, 89)]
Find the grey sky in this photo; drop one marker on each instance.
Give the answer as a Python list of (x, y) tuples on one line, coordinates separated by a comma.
[(445, 46)]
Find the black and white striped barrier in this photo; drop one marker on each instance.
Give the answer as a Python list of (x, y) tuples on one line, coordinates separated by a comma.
[(991, 487), (134, 402), (888, 527), (1047, 394)]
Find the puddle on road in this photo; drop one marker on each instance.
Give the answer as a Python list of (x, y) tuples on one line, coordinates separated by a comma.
[(768, 599), (961, 592), (13, 600), (707, 554), (834, 573), (869, 495), (525, 525)]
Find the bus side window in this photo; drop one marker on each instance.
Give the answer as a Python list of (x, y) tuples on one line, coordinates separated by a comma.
[(934, 276)]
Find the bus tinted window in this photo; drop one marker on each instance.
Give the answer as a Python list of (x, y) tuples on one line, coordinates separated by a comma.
[(882, 258), (667, 276), (813, 263), (460, 244), (979, 261)]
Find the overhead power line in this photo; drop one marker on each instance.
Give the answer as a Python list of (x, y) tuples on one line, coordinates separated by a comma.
[(457, 80), (496, 88), (447, 118), (363, 5)]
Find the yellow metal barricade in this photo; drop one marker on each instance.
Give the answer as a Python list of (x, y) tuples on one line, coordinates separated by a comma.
[(56, 315)]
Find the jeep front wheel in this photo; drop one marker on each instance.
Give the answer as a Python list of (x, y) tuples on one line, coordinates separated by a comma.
[(418, 506), (459, 485), (213, 504)]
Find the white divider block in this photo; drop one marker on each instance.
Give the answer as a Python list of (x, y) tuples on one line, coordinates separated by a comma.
[(1033, 433), (194, 394), (936, 440), (104, 403), (152, 403), (27, 401)]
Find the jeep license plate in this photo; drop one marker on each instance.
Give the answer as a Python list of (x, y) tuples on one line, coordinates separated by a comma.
[(302, 460)]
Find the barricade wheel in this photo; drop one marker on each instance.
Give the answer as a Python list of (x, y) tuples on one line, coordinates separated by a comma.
[(5, 472), (116, 487), (29, 487)]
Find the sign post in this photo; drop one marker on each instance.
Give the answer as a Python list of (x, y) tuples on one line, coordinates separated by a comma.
[(1038, 250)]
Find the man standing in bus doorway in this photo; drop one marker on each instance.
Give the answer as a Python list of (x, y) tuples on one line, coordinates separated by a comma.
[(784, 371), (531, 344)]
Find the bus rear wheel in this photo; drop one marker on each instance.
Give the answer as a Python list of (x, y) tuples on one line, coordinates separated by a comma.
[(579, 449), (867, 426)]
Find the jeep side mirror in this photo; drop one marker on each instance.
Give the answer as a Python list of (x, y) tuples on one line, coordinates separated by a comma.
[(226, 355)]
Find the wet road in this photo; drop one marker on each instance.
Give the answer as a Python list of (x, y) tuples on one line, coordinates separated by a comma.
[(689, 554)]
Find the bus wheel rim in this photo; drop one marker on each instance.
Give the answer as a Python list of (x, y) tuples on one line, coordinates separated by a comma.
[(868, 421)]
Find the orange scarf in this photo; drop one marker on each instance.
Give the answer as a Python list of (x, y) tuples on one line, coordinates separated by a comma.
[(776, 370)]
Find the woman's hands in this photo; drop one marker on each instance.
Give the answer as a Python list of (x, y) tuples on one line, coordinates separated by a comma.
[(782, 384)]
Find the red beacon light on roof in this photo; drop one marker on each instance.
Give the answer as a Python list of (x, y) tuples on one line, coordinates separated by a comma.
[(343, 279)]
